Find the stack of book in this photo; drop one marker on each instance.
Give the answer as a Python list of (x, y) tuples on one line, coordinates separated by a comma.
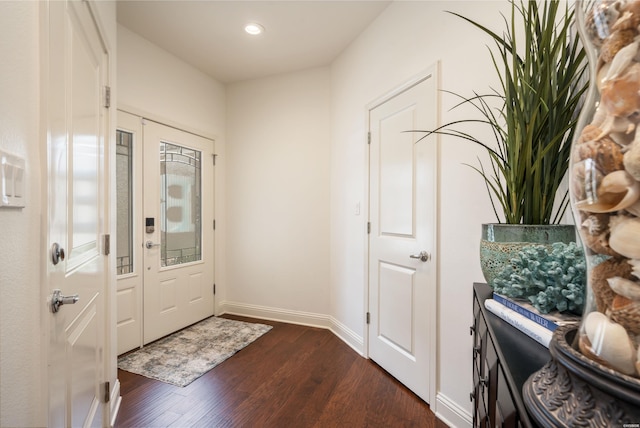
[(523, 316)]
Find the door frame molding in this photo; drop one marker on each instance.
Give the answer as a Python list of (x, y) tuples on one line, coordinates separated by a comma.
[(433, 71)]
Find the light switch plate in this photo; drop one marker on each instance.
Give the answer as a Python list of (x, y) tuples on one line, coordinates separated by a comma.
[(12, 186)]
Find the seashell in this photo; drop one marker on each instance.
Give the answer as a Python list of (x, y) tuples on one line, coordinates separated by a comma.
[(617, 191), (626, 312), (599, 117), (605, 152), (614, 43), (596, 224), (635, 267), (589, 133), (620, 62), (600, 20), (625, 236), (623, 125), (602, 292), (623, 139), (634, 209), (627, 21), (621, 96), (585, 179), (625, 287), (610, 342), (602, 71), (631, 160), (585, 347), (632, 7), (595, 234)]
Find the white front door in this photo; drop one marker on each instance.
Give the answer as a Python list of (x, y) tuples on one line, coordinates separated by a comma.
[(402, 272), (129, 250), (178, 235), (77, 219)]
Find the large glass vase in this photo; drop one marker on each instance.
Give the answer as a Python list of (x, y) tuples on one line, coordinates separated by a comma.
[(605, 186)]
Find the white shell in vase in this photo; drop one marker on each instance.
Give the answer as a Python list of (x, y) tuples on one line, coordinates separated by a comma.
[(610, 342)]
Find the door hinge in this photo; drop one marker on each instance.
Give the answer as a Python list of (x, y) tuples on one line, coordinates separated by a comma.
[(368, 227), (106, 391), (107, 96), (369, 137), (368, 317), (106, 244), (214, 156), (214, 288), (214, 224)]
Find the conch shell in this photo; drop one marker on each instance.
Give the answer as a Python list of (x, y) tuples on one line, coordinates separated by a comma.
[(621, 96), (617, 191)]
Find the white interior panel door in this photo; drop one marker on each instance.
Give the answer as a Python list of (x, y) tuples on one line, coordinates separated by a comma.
[(77, 210), (178, 236), (129, 250), (402, 273)]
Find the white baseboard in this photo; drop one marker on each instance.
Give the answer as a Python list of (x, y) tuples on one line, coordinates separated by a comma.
[(451, 413), (115, 401), (310, 319), (347, 335)]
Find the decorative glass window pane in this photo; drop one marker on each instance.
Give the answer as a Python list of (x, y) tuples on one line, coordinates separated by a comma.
[(180, 205), (124, 204)]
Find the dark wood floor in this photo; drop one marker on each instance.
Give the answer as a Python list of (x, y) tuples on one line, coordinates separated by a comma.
[(293, 376)]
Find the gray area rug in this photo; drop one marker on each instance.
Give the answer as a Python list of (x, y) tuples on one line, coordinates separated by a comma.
[(184, 356)]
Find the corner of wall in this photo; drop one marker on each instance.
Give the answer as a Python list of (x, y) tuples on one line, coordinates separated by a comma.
[(451, 413)]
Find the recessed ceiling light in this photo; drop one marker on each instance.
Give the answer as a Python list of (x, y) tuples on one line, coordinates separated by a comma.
[(254, 29)]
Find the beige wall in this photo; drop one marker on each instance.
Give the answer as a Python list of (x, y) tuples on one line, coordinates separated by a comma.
[(278, 192), (21, 397)]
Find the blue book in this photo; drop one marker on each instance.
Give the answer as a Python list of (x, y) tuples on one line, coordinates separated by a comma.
[(550, 321), (522, 323)]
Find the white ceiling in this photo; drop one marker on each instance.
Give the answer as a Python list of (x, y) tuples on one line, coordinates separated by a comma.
[(210, 35)]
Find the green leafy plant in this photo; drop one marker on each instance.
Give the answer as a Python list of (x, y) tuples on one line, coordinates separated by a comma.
[(543, 75)]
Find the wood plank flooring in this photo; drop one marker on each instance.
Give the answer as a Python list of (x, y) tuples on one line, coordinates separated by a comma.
[(293, 376)]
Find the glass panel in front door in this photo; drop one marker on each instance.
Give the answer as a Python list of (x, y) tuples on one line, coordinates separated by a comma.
[(180, 204)]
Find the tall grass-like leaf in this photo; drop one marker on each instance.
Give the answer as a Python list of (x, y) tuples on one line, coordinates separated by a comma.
[(542, 77)]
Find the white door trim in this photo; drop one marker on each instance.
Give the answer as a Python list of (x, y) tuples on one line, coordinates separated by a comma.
[(433, 71)]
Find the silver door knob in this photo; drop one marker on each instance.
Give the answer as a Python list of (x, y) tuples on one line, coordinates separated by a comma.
[(149, 244), (57, 300), (57, 253), (423, 256)]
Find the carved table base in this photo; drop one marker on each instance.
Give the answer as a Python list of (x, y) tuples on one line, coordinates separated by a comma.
[(573, 391)]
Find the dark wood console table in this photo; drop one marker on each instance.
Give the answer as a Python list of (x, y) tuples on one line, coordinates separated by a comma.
[(503, 359)]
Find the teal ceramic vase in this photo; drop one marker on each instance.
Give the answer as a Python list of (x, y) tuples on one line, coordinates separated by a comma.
[(501, 242)]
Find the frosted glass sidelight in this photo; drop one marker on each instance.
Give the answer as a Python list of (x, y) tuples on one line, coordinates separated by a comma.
[(124, 203)]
